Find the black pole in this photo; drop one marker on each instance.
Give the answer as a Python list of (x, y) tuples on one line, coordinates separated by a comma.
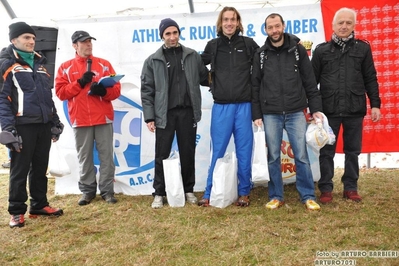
[(191, 4), (8, 9)]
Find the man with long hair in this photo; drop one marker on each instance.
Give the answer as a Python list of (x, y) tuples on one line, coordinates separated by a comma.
[(230, 57)]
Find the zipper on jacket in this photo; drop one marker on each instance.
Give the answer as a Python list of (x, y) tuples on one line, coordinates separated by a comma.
[(178, 71), (232, 61), (281, 84)]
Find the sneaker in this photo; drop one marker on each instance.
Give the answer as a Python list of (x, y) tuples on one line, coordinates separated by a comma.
[(49, 211), (86, 199), (17, 220), (352, 195), (312, 205), (325, 197), (157, 203), (6, 164), (203, 203), (274, 204), (191, 198), (243, 201), (110, 199)]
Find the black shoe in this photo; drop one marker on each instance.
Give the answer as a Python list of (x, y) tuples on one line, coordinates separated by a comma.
[(49, 211), (110, 199), (86, 199), (17, 220)]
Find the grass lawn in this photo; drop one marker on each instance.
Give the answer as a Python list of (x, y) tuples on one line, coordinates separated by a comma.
[(131, 233)]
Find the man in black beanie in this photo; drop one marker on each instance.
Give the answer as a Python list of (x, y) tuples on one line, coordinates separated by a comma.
[(19, 28), (171, 99), (166, 23), (29, 122)]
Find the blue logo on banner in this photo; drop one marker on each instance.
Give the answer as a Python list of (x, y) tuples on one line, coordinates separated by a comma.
[(132, 151)]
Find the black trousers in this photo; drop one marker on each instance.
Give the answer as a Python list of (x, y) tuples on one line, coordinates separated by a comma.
[(30, 165), (180, 122), (352, 139)]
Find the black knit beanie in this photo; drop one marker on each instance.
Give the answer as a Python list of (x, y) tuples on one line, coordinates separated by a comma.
[(166, 23), (19, 28)]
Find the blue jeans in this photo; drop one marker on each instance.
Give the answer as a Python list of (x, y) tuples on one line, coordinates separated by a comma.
[(295, 125)]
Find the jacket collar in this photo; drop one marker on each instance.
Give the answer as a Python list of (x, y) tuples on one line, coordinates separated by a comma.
[(233, 38), (159, 53), (82, 59), (290, 41)]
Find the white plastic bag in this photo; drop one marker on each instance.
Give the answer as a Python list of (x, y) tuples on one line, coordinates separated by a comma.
[(224, 182), (260, 168), (328, 129), (57, 164), (173, 180), (319, 134), (316, 136)]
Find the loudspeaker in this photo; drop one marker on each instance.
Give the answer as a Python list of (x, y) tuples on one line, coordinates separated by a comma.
[(46, 43)]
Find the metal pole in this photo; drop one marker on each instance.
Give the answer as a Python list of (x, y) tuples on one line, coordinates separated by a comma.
[(368, 160), (8, 9), (191, 4)]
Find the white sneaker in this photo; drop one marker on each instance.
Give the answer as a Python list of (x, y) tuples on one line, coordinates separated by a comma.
[(157, 203), (191, 198)]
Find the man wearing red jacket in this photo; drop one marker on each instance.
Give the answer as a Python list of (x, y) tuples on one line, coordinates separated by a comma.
[(91, 114)]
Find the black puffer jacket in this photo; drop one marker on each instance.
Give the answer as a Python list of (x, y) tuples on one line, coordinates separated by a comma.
[(283, 80), (345, 78)]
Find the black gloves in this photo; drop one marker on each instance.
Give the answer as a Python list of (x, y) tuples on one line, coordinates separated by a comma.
[(86, 79), (97, 89), (56, 131), (10, 138)]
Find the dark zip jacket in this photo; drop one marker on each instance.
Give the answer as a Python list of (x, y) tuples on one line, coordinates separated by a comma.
[(26, 95), (283, 80), (178, 88), (231, 66), (345, 77)]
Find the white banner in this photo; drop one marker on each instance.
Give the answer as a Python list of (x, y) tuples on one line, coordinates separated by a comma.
[(126, 42)]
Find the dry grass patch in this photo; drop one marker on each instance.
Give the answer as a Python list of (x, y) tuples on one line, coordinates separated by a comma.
[(131, 233)]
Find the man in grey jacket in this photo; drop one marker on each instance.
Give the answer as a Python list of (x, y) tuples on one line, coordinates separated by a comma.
[(171, 99)]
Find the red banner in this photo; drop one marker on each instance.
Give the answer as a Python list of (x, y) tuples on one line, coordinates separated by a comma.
[(378, 23)]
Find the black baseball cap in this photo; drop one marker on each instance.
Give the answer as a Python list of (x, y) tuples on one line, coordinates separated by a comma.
[(81, 36)]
